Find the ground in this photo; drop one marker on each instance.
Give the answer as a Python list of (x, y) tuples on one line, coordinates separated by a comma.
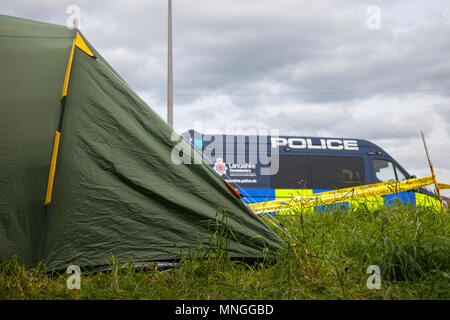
[(326, 257)]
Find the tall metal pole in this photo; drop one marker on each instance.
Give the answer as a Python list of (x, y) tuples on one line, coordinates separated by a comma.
[(169, 70), (432, 171)]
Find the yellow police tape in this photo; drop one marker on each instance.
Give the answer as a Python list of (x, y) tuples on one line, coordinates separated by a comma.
[(443, 186), (342, 195)]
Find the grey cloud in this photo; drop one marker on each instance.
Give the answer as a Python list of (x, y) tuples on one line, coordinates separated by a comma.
[(307, 67)]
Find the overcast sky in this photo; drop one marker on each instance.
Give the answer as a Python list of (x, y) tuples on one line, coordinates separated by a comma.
[(305, 67)]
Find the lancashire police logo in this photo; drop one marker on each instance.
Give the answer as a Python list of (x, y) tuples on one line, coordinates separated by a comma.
[(220, 167)]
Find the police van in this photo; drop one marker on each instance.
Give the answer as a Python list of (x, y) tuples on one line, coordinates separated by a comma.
[(265, 168)]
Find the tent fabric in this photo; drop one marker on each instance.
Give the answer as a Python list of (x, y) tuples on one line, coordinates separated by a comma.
[(116, 189)]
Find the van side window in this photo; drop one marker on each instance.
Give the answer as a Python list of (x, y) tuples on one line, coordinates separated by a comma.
[(293, 173), (336, 172), (384, 170)]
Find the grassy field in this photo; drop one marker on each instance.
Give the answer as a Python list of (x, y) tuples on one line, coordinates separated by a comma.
[(327, 258)]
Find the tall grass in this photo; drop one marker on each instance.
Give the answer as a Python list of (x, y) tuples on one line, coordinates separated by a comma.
[(326, 258)]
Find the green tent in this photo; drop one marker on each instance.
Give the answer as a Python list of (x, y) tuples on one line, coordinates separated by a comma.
[(115, 188)]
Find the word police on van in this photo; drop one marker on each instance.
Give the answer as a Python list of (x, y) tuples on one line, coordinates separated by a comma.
[(306, 143)]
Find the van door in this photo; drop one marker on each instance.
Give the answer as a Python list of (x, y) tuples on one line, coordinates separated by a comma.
[(385, 170)]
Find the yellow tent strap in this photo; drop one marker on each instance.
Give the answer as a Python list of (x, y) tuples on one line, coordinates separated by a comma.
[(51, 176), (79, 43), (67, 76)]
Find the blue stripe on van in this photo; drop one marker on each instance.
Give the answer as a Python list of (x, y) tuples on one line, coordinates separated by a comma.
[(257, 195), (408, 197), (321, 190), (327, 208)]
